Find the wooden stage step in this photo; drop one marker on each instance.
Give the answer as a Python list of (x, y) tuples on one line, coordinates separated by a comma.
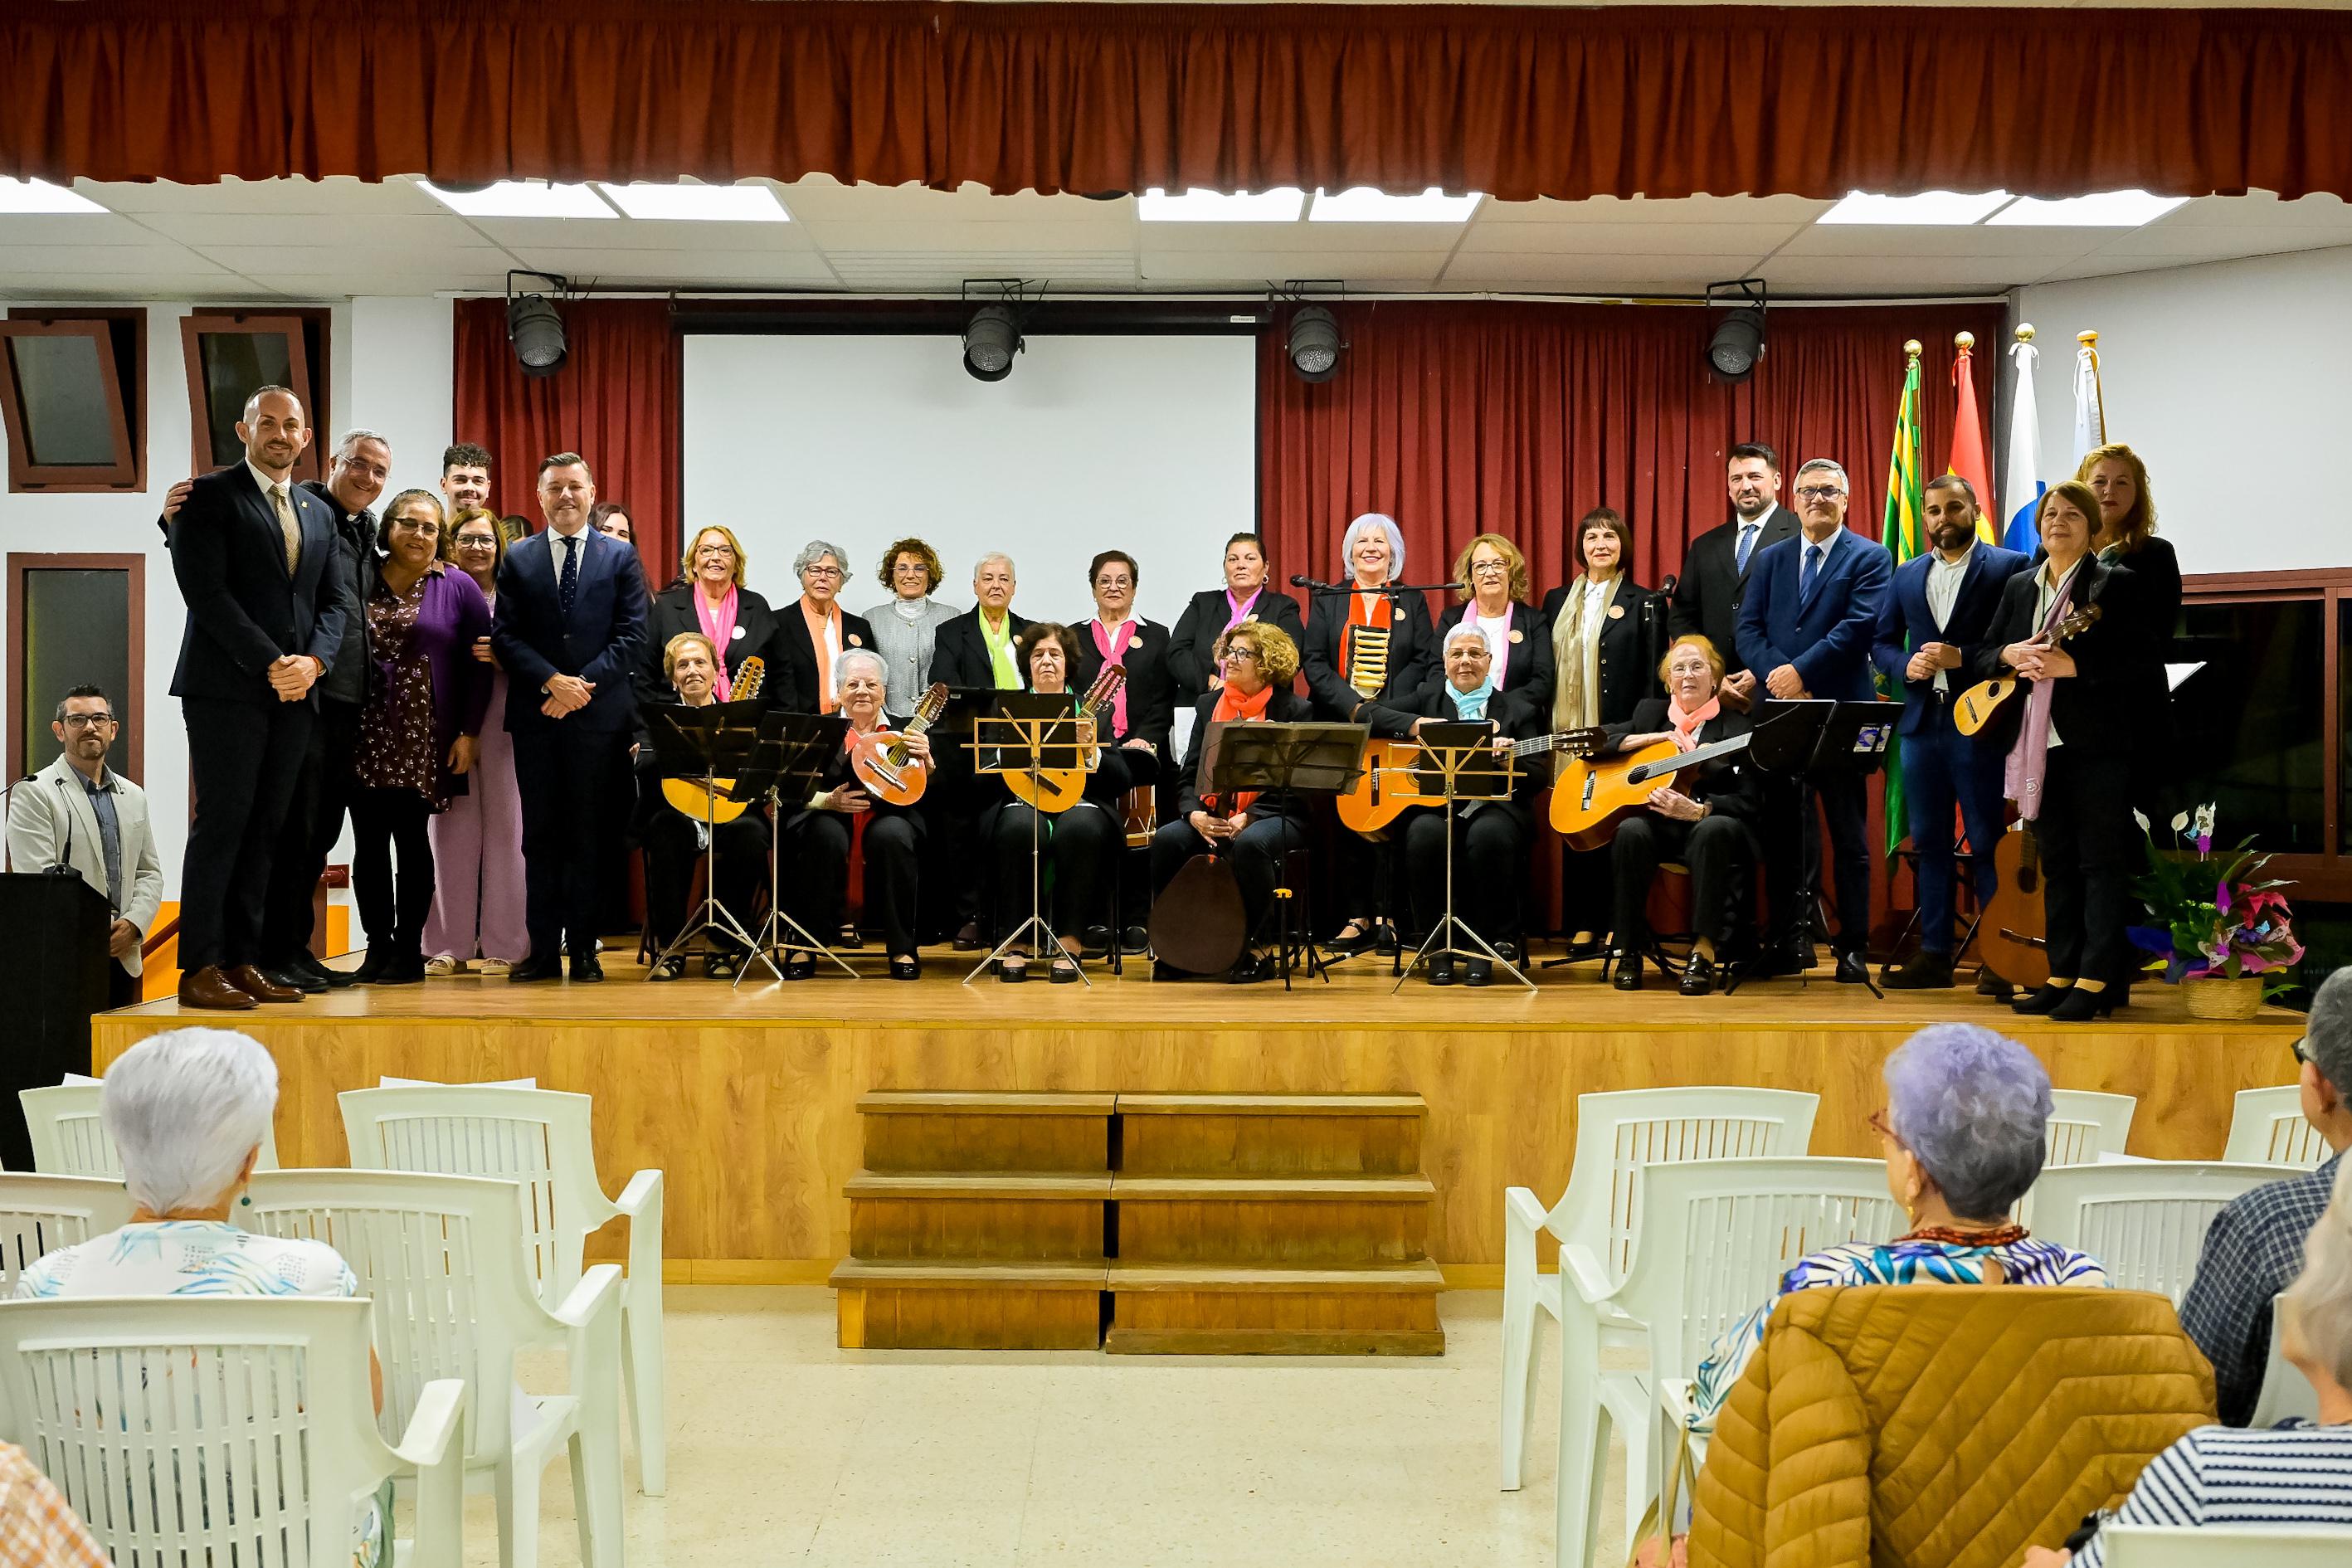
[(969, 1305), (1270, 1134), (1225, 1310), (1289, 1220), (907, 1131), (976, 1217)]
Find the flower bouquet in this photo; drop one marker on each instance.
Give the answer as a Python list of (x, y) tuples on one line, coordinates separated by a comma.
[(2215, 920)]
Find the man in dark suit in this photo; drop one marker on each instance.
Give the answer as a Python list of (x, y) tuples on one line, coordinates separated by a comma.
[(1930, 630), (1717, 566), (975, 648), (257, 565), (570, 625), (1806, 624)]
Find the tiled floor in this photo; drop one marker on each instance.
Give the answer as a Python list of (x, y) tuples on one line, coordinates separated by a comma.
[(786, 1450)]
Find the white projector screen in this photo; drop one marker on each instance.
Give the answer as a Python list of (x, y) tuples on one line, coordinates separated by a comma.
[(1141, 444)]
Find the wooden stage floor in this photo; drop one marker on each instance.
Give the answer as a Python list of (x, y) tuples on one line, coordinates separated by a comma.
[(747, 1096)]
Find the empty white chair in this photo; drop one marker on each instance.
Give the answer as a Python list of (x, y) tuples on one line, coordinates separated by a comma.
[(2266, 1127), (2168, 1546), (69, 1139), (2286, 1392), (2086, 1124), (2145, 1222), (39, 1215), (250, 1415), (441, 1259), (540, 1138)]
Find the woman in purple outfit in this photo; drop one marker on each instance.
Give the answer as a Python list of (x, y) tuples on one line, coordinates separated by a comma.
[(478, 907)]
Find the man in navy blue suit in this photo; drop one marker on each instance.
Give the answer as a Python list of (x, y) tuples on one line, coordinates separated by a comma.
[(256, 558), (568, 630), (1933, 623), (1805, 627)]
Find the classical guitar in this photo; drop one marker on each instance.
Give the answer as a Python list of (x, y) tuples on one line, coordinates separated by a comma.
[(688, 796), (1055, 790), (891, 772), (1594, 795), (1396, 778), (1979, 702), (2013, 932)]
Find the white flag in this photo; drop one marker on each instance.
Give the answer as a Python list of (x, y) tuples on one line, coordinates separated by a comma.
[(2022, 472), (2090, 413)]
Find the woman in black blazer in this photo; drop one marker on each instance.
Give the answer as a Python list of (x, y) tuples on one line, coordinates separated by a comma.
[(2126, 542), (1149, 697), (1607, 633), (806, 680), (1246, 595), (1497, 596), (745, 628)]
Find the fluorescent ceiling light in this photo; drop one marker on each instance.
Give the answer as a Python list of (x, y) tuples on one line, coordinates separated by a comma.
[(1927, 207), (1280, 205), (40, 196), (698, 203), (520, 198), (2107, 209), (1363, 204)]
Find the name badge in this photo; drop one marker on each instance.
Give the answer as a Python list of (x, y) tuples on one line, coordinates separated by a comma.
[(739, 631), (856, 641), (1616, 611), (1518, 635)]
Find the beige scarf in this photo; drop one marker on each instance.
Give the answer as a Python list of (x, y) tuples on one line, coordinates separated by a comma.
[(1576, 650)]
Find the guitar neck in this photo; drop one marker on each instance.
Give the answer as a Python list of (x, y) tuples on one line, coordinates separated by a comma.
[(1690, 758)]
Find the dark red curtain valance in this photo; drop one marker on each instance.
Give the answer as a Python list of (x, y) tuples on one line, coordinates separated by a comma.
[(1517, 101)]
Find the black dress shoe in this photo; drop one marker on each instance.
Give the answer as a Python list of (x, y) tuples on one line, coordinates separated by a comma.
[(336, 979), (1628, 975), (378, 959), (1925, 972), (800, 965), (1780, 962), (1440, 970), (1135, 938), (1251, 968), (1698, 977), (2076, 1006), (967, 937), (2043, 1000), (1853, 969), (298, 979), (906, 967), (1163, 969), (535, 967), (406, 969), (1993, 985), (586, 970), (1478, 972)]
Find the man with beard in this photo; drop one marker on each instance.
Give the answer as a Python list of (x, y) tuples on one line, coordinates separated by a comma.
[(1714, 567), (1934, 620), (466, 478)]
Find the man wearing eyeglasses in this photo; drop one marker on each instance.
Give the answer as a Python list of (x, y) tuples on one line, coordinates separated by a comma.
[(1806, 627), (79, 813)]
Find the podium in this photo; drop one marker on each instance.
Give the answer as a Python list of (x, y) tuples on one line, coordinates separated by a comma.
[(52, 979)]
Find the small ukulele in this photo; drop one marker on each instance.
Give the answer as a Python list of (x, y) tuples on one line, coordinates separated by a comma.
[(1394, 777), (889, 771), (1979, 702), (689, 796), (1055, 790), (1593, 795)]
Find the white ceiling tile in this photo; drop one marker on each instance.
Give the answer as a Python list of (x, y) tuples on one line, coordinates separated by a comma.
[(818, 198), (1589, 273), (1745, 241), (1789, 210), (1900, 275), (328, 258), (904, 269), (357, 234), (1931, 242), (542, 234), (1320, 239), (72, 228), (2262, 208), (293, 197), (656, 270), (932, 238), (68, 262), (2220, 244), (1254, 269)]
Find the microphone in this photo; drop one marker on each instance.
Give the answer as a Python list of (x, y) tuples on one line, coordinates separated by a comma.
[(1299, 580)]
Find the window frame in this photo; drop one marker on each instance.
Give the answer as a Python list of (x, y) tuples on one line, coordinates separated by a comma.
[(131, 705), (128, 472), (304, 372)]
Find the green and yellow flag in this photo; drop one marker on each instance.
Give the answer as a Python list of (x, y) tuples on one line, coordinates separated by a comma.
[(1904, 533)]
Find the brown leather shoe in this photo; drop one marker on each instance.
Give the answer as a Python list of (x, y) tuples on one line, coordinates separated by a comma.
[(208, 987), (259, 986)]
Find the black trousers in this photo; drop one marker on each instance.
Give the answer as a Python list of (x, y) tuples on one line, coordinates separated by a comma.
[(314, 820), (121, 987), (561, 771), (1586, 899), (615, 838), (1077, 844), (392, 906), (1844, 802), (2089, 849), (1256, 852), (672, 852), (1490, 846), (1715, 849), (819, 844), (243, 759)]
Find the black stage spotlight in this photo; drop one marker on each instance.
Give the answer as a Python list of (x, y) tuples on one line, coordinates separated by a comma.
[(1314, 343), (991, 339), (1737, 341), (535, 327)]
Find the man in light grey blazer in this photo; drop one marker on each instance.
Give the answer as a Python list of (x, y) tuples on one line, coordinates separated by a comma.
[(80, 813)]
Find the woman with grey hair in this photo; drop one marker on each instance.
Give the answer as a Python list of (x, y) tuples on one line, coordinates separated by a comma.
[(812, 636), (1367, 644), (820, 833), (1965, 1129)]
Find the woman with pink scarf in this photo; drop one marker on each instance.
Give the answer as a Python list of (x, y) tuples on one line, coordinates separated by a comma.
[(711, 600)]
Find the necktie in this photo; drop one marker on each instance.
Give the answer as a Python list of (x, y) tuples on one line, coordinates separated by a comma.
[(1812, 570), (288, 529), (567, 582), (1746, 541)]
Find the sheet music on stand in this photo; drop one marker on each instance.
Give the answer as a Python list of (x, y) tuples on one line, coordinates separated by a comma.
[(1265, 756), (794, 753), (1029, 734), (1809, 738), (716, 749), (1460, 760)]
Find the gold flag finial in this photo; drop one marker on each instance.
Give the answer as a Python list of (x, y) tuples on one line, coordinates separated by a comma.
[(1964, 341), (1915, 348), (2025, 332)]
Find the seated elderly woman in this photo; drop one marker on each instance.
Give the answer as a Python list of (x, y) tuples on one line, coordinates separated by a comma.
[(188, 1110), (675, 825), (1965, 1128), (2298, 1472), (816, 884)]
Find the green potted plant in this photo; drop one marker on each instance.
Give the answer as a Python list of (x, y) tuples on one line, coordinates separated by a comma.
[(2222, 932)]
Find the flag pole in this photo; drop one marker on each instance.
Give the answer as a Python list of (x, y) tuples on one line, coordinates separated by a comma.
[(2090, 342)]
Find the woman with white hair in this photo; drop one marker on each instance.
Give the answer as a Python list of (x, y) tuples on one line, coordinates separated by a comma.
[(1490, 837), (1370, 644), (812, 636), (821, 832)]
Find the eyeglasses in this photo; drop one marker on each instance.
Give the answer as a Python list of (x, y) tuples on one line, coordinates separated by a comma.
[(87, 721), (1879, 1124), (1819, 492), (807, 571), (719, 552), (1487, 568), (477, 541), (1240, 653), (2301, 1056)]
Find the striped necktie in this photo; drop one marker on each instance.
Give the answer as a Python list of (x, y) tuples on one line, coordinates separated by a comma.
[(287, 527)]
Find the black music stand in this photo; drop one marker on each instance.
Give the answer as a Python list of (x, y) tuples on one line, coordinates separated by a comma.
[(1460, 760), (1320, 758), (1029, 734), (795, 751), (1804, 739), (701, 745)]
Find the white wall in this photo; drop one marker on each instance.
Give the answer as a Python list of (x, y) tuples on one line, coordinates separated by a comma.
[(391, 372), (2215, 373)]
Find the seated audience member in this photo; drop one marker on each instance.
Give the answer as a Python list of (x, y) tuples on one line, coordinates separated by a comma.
[(2255, 1244), (1965, 1128), (821, 833), (1702, 817), (1078, 844), (38, 1527), (1256, 662), (907, 624), (1491, 836), (2298, 1473), (676, 842), (188, 1110), (711, 600)]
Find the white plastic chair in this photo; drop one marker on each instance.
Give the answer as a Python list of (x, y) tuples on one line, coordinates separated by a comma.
[(540, 1138), (2266, 1127), (442, 1259), (69, 1139), (39, 1215), (2180, 1546), (251, 1414), (2145, 1222), (2286, 1392), (2086, 1124)]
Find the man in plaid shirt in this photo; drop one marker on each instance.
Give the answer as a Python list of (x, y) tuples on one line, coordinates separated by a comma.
[(2254, 1249)]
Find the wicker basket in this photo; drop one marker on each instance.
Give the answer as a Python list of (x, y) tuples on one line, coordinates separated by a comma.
[(2220, 996)]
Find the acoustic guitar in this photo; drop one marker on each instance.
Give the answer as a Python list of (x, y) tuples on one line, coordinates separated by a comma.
[(1594, 795), (1055, 790), (689, 796), (2013, 932), (1396, 778), (890, 772), (1979, 702)]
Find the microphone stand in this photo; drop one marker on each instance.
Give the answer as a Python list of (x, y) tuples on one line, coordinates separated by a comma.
[(1340, 590)]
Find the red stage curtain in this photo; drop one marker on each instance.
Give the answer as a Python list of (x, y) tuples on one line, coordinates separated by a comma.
[(615, 402), (1517, 101)]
